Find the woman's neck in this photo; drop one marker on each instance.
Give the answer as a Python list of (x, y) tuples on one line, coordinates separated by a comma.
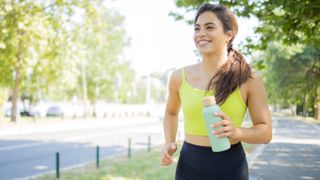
[(211, 63)]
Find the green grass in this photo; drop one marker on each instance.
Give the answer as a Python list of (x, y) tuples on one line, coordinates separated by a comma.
[(299, 118), (141, 166)]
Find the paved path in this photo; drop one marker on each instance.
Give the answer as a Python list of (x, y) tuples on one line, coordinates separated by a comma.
[(294, 152)]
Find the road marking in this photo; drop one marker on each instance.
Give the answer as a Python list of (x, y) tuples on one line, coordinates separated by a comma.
[(297, 141), (73, 125), (22, 146), (89, 136)]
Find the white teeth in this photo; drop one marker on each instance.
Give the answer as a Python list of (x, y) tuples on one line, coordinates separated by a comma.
[(201, 43)]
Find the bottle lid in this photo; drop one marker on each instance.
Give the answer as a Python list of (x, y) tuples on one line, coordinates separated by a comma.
[(208, 101)]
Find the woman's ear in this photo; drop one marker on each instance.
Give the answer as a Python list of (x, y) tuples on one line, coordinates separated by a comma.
[(229, 35)]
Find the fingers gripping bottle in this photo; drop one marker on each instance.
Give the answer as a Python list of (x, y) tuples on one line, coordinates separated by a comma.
[(209, 108)]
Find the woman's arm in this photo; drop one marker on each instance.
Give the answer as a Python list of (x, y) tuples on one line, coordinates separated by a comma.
[(261, 132), (170, 123)]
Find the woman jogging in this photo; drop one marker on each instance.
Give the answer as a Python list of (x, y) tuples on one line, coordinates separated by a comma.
[(224, 73)]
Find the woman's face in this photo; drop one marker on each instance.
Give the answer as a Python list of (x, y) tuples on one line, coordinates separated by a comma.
[(209, 36)]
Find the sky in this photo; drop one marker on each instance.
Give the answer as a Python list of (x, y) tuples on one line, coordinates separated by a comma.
[(158, 42)]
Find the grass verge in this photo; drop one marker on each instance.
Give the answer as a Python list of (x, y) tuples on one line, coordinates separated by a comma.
[(299, 118), (141, 166)]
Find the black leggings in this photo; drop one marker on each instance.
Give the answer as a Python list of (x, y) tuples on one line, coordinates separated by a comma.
[(200, 163)]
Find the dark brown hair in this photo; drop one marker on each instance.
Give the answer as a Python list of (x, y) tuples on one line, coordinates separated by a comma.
[(236, 70)]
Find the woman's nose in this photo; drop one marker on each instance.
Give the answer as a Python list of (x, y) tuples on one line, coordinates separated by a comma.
[(201, 32)]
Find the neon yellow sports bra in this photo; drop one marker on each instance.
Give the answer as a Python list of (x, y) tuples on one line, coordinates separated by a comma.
[(191, 102)]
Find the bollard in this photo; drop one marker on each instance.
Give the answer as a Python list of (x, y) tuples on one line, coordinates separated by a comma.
[(98, 154), (57, 165), (129, 148), (149, 143)]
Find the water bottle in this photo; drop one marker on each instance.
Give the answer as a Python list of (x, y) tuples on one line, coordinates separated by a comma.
[(209, 108)]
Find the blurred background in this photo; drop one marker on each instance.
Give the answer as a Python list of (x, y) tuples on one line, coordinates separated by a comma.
[(79, 55), (111, 59)]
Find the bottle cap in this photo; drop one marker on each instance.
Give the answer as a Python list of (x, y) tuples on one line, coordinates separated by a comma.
[(208, 101)]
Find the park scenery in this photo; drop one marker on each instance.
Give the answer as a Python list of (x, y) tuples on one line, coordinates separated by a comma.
[(84, 84)]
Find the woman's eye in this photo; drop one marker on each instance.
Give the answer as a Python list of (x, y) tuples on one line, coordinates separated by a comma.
[(196, 29), (210, 27)]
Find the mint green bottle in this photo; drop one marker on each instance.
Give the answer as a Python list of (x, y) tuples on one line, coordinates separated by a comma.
[(209, 108)]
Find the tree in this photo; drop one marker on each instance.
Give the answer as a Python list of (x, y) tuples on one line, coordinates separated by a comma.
[(99, 41), (23, 32), (291, 21), (292, 76), (54, 49)]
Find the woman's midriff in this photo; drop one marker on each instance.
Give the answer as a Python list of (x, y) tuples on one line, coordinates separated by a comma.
[(202, 140)]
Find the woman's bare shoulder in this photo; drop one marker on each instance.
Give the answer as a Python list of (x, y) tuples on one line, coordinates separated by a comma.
[(254, 77), (255, 82), (176, 75), (192, 67), (175, 80)]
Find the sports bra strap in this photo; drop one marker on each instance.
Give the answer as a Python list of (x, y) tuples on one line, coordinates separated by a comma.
[(183, 73)]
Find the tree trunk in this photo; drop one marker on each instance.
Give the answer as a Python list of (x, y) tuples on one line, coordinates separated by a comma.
[(84, 89), (293, 112), (317, 106), (317, 111), (94, 105), (304, 110), (17, 80)]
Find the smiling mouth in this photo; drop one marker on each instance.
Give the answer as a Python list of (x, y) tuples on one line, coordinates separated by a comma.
[(203, 43)]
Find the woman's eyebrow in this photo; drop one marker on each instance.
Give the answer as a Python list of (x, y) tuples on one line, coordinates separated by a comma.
[(206, 24), (210, 23)]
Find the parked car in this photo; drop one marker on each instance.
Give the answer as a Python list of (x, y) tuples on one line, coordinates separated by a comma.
[(55, 111), (38, 110), (8, 109)]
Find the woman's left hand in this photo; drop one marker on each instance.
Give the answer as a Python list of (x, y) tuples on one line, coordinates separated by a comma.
[(227, 129)]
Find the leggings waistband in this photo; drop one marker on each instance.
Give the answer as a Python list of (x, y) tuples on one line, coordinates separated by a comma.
[(207, 149)]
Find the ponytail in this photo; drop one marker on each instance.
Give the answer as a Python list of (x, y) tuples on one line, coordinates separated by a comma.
[(231, 75), (236, 70)]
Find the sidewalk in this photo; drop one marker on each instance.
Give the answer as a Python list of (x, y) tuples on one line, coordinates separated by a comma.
[(294, 152), (22, 128)]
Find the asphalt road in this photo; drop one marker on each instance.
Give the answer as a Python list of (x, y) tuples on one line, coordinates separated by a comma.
[(27, 154), (293, 154)]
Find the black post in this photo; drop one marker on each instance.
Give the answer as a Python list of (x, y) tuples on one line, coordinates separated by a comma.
[(98, 154), (149, 143), (129, 148), (57, 165)]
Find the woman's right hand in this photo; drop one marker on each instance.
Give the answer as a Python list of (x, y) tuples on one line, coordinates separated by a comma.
[(166, 154)]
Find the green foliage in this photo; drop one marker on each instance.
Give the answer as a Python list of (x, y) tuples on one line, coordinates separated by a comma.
[(98, 42), (292, 74), (289, 21), (49, 42)]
